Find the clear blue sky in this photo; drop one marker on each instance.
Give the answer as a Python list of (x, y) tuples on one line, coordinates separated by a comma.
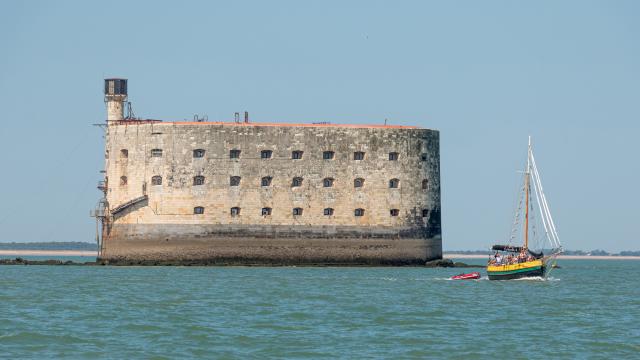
[(484, 73)]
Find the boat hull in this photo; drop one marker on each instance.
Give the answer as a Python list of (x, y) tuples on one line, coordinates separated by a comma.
[(517, 271), (470, 276)]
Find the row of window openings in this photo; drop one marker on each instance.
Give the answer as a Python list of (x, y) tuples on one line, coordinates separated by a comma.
[(266, 181), (266, 154), (235, 211)]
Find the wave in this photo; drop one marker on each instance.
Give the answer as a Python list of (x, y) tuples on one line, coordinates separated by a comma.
[(537, 278), (484, 278), (466, 280)]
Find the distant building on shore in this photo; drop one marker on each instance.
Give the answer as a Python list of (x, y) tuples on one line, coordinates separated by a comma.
[(266, 193)]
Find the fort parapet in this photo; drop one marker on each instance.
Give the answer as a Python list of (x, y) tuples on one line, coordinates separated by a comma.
[(280, 194)]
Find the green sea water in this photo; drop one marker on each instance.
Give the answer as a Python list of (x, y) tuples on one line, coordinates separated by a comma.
[(586, 309)]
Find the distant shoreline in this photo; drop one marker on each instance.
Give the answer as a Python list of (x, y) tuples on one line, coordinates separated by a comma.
[(83, 253), (563, 257), (90, 253)]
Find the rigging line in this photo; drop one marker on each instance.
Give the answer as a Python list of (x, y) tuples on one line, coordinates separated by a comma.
[(544, 223), (515, 226), (534, 227), (537, 190), (516, 222), (546, 205), (549, 232), (553, 261), (552, 235), (520, 200)]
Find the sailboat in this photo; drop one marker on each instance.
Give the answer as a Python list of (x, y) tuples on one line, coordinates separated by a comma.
[(516, 262)]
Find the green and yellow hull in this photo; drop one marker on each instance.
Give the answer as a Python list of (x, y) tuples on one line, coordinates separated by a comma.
[(535, 268)]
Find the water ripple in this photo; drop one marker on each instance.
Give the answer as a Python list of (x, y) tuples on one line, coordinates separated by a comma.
[(199, 312)]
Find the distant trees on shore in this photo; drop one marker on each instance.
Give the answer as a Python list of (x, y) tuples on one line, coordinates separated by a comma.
[(596, 252), (85, 246), (69, 245)]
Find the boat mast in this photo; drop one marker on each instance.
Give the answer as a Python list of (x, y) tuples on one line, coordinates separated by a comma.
[(526, 187)]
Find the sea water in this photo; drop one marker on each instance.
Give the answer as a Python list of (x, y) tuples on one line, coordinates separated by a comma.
[(586, 309)]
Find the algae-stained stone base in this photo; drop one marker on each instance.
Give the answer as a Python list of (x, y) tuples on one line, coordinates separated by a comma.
[(203, 244)]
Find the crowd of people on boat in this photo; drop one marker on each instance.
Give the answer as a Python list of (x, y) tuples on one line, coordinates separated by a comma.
[(499, 259)]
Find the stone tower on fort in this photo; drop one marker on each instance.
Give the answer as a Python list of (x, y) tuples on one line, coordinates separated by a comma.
[(266, 193)]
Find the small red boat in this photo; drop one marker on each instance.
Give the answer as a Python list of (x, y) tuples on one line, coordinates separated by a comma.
[(469, 276)]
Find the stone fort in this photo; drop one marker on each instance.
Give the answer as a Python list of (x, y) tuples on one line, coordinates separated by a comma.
[(243, 193)]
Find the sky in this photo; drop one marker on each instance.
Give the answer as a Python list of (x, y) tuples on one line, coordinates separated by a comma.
[(486, 74)]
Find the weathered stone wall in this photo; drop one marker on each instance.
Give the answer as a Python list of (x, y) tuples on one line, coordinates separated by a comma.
[(164, 226)]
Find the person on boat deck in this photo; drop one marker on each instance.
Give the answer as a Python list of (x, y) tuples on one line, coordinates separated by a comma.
[(498, 258)]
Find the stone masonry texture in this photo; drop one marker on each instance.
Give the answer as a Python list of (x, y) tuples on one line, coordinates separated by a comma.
[(399, 224)]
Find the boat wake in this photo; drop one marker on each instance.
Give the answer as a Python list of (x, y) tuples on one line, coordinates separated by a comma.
[(537, 278), (484, 278), (466, 280)]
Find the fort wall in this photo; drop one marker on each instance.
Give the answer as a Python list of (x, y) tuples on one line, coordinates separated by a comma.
[(202, 196)]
